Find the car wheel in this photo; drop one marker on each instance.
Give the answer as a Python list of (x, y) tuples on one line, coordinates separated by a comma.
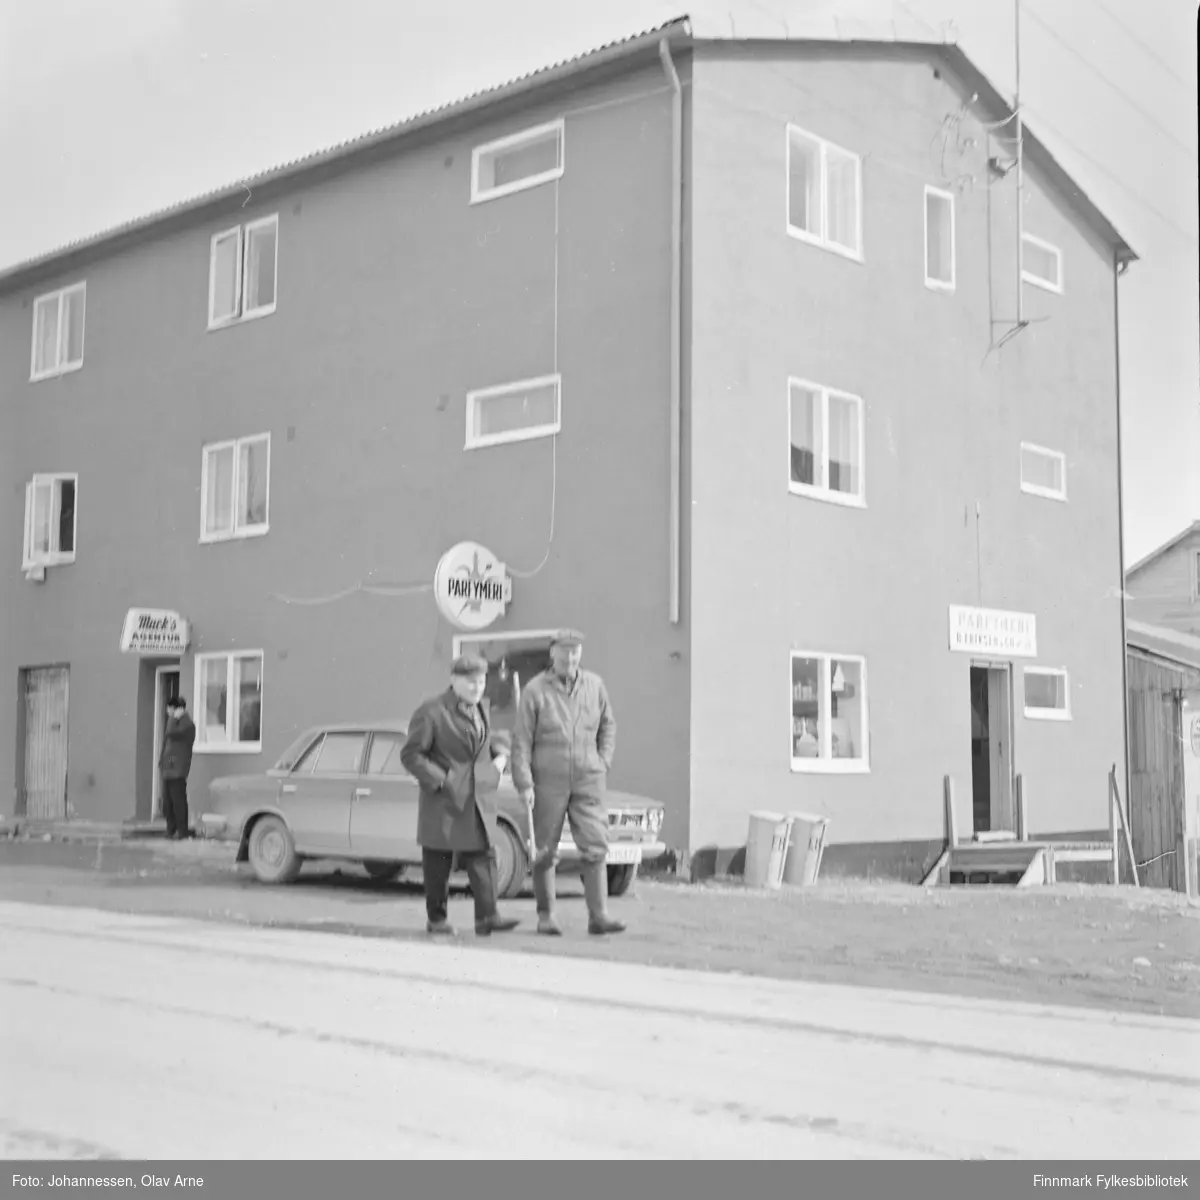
[(383, 872), (621, 877), (273, 852), (512, 864)]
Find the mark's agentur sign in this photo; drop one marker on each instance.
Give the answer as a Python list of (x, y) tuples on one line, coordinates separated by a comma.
[(154, 631)]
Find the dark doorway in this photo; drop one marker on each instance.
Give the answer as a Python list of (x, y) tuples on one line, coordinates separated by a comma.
[(991, 748)]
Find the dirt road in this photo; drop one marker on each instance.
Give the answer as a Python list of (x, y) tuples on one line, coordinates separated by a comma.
[(146, 1036)]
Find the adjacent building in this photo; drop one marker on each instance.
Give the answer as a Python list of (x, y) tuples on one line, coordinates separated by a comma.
[(1163, 588), (742, 357)]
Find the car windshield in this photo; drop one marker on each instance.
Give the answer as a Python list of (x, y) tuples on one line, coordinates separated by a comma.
[(287, 760)]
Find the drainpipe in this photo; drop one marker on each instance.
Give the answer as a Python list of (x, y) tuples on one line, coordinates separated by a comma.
[(676, 531), (1127, 800)]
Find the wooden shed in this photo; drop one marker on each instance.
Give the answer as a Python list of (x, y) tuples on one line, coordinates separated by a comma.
[(1164, 755)]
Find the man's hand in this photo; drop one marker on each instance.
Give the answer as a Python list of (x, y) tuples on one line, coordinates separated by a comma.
[(527, 795), (501, 763)]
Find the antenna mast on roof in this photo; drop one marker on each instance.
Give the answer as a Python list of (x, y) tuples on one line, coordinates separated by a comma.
[(1020, 166)]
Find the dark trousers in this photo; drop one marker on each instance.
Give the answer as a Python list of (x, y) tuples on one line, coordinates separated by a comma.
[(175, 806), (480, 867)]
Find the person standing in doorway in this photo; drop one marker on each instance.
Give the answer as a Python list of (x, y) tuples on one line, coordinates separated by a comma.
[(175, 762), (450, 752), (562, 750)]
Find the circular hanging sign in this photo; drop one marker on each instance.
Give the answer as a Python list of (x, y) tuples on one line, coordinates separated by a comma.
[(471, 587)]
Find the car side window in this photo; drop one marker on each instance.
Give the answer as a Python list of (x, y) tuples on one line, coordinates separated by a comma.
[(384, 758), (340, 754), (306, 761)]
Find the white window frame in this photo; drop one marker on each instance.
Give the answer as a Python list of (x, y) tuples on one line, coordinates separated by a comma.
[(238, 531), (515, 435), (61, 366), (1035, 489), (825, 764), (242, 233), (1048, 714), (55, 557), (827, 494), (1037, 280), (229, 747), (941, 285), (822, 239), (515, 141)]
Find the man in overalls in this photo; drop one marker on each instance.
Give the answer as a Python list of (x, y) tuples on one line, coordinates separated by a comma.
[(562, 749)]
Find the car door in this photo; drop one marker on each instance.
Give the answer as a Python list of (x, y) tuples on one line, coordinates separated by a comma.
[(383, 817), (317, 795)]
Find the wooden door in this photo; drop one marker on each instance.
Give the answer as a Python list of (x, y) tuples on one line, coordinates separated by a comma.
[(46, 699)]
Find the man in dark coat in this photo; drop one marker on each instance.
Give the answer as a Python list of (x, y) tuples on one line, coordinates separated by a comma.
[(175, 762), (449, 751)]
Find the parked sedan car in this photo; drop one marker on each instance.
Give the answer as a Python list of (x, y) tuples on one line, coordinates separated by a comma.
[(341, 792)]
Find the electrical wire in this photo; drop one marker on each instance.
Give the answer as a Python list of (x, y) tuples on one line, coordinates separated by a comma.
[(1133, 37)]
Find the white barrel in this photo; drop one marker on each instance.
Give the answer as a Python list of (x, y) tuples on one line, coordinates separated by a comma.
[(766, 849), (807, 847)]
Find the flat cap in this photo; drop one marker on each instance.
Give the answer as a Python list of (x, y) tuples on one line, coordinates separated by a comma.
[(469, 664), (567, 637)]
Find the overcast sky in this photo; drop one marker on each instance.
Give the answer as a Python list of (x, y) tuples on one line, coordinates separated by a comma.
[(110, 109)]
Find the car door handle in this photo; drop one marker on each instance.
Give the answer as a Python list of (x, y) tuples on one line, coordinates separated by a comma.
[(362, 791), (288, 787)]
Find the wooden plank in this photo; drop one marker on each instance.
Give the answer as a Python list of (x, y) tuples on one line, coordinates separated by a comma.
[(934, 875), (1036, 872), (1124, 827), (1022, 814), (1070, 855), (950, 818)]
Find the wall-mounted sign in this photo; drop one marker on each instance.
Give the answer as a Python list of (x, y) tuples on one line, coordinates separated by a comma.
[(992, 633), (472, 589), (154, 631)]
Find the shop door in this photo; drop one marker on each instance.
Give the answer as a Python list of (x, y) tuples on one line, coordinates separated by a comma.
[(166, 688), (45, 751), (991, 748)]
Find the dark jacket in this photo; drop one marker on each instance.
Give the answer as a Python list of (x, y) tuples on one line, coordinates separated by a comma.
[(453, 765), (175, 761)]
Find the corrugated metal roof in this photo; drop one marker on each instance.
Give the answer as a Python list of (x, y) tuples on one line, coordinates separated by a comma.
[(711, 20), (1180, 648)]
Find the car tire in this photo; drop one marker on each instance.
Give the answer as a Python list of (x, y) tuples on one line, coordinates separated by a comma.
[(621, 877), (383, 872), (272, 851), (512, 864)]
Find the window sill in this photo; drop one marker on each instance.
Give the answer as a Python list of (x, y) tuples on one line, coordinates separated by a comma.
[(227, 748), (228, 322), (518, 185), (1047, 714), (1044, 284), (55, 372), (240, 535), (830, 766), (1031, 489), (55, 560), (844, 499), (811, 239), (517, 435)]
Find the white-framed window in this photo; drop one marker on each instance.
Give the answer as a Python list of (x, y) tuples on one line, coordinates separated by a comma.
[(235, 488), (1047, 694), (519, 161), (824, 193), (514, 412), (243, 272), (50, 520), (826, 443), (1043, 472), (58, 319), (830, 728), (1041, 264), (940, 239), (229, 688)]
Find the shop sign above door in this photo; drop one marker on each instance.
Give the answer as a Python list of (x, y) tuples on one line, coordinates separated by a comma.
[(992, 632), (154, 631), (471, 587)]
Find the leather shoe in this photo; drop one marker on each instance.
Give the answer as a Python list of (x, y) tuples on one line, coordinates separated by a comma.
[(599, 926), (439, 928), (549, 927), (495, 924)]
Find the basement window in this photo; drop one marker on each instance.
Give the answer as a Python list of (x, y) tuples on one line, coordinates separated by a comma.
[(517, 162)]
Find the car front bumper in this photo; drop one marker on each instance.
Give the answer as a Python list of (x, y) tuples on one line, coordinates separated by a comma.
[(619, 853)]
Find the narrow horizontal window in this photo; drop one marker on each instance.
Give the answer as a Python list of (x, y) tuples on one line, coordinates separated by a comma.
[(939, 240), (1047, 694), (229, 689), (824, 193), (522, 160), (1043, 472), (1041, 264), (58, 319), (826, 443), (243, 272), (50, 520), (514, 412), (829, 713), (235, 481)]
